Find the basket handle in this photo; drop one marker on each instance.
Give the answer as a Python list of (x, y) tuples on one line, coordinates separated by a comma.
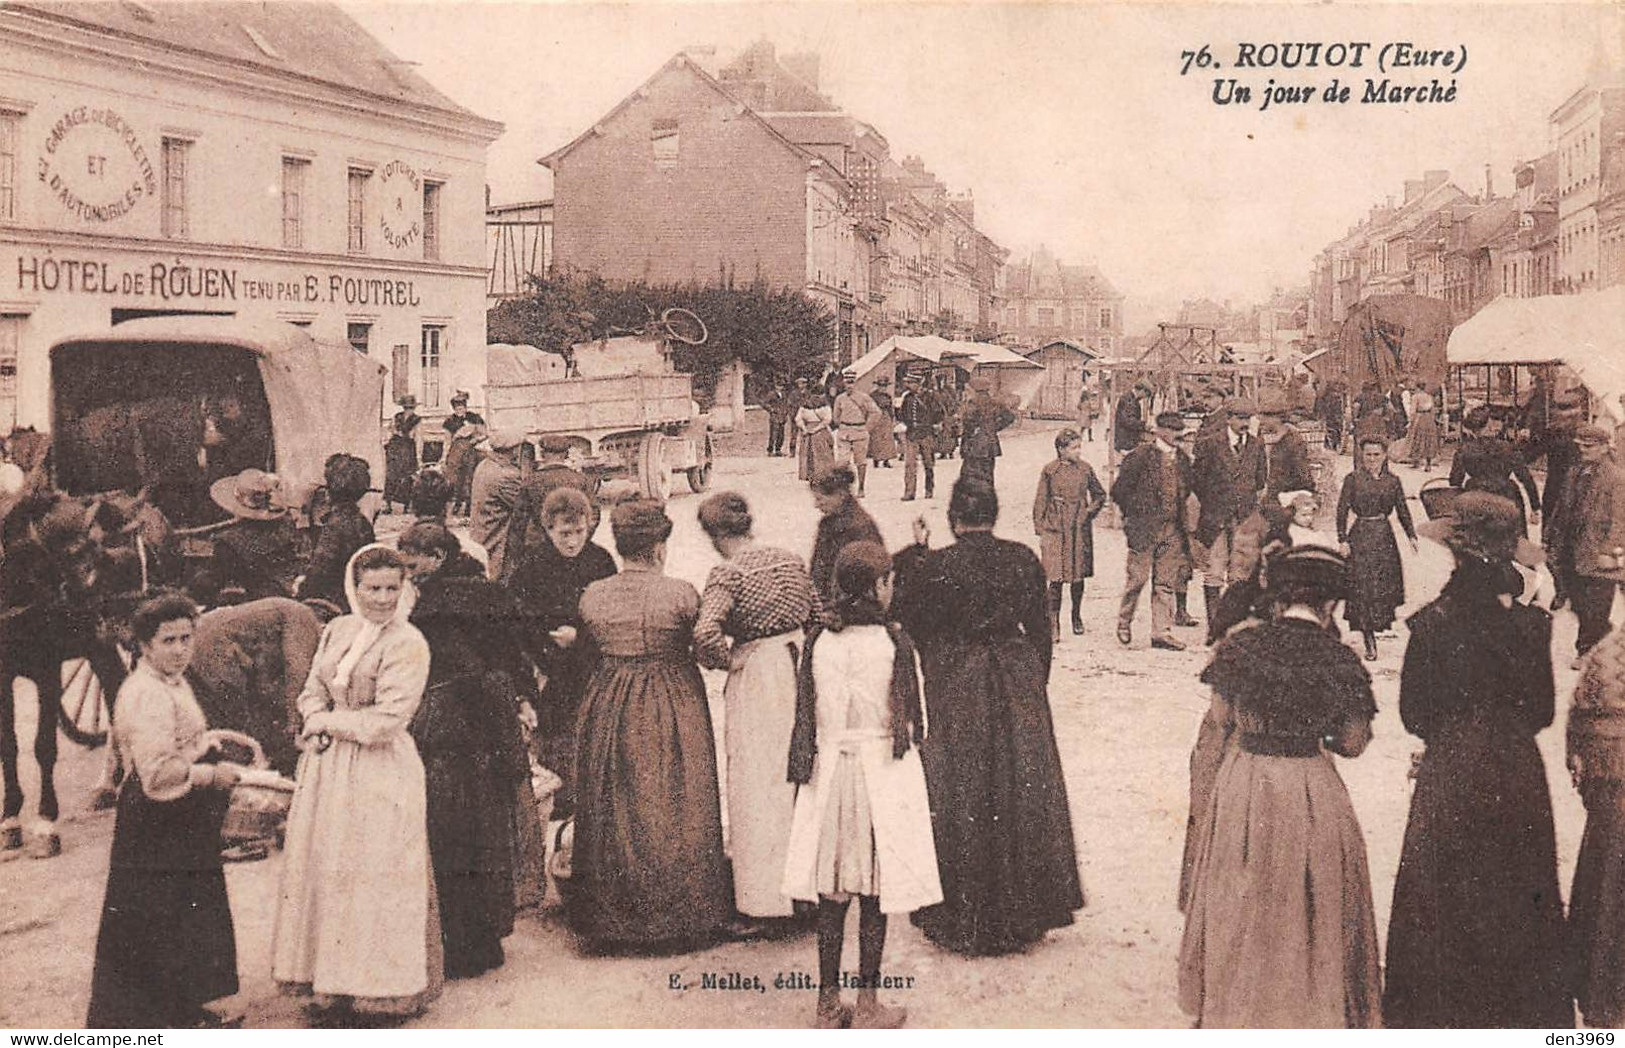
[(247, 741)]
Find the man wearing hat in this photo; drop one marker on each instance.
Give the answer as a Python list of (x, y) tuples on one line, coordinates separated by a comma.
[(257, 556), (1226, 480), (853, 412), (793, 403), (777, 406), (493, 495), (553, 470), (920, 414), (1283, 460), (1128, 425), (1554, 440), (983, 418), (1587, 539), (1152, 485)]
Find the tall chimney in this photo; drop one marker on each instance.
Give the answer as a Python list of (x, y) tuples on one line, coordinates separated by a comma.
[(1489, 182)]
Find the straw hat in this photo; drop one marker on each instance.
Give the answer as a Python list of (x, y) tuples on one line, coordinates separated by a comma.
[(252, 494)]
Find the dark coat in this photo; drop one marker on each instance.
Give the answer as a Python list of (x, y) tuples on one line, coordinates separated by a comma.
[(345, 531), (1284, 465), (921, 413), (1490, 464), (467, 730), (547, 587), (1591, 522), (983, 418), (999, 811), (836, 530), (1128, 426), (1225, 481), (260, 558), (527, 529), (1138, 492), (1476, 937)]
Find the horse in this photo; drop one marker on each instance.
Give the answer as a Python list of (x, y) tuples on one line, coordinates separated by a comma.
[(71, 567)]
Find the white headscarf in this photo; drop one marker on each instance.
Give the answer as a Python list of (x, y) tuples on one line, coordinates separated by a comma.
[(370, 631)]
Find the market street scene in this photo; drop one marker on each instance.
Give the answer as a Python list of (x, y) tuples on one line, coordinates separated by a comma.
[(514, 516)]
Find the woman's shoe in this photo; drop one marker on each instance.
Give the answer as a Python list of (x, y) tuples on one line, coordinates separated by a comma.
[(1077, 625)]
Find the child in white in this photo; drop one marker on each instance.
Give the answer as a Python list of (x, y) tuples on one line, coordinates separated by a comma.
[(862, 824)]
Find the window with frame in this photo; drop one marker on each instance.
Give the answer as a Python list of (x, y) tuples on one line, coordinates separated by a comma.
[(1046, 317), (1106, 317), (431, 220), (294, 172), (356, 219), (663, 138), (359, 335), (11, 338), (434, 344), (10, 132), (176, 156)]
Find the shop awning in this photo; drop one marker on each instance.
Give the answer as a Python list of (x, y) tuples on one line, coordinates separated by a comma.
[(1586, 332)]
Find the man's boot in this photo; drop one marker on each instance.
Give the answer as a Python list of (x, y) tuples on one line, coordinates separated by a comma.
[(1054, 613), (1210, 602)]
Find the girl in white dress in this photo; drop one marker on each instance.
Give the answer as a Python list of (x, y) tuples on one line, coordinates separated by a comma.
[(862, 824)]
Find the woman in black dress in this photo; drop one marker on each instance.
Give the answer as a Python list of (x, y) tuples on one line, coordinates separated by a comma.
[(978, 612), (548, 584), (1476, 937), (467, 730), (1370, 494), (166, 944)]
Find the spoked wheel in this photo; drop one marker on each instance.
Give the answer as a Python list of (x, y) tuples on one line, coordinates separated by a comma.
[(683, 326), (85, 716), (699, 477)]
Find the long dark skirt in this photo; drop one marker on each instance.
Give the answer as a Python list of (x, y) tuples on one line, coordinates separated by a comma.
[(1377, 576), (999, 811), (471, 826), (167, 944), (648, 865), (400, 466), (1597, 907), (1476, 937)]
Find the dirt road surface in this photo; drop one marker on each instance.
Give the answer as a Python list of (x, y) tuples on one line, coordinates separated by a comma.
[(1124, 717)]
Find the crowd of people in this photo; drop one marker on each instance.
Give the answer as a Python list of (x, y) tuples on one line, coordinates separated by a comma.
[(887, 729)]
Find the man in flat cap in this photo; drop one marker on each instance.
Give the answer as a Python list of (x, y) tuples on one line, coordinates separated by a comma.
[(493, 495), (854, 413), (1587, 540), (1152, 485)]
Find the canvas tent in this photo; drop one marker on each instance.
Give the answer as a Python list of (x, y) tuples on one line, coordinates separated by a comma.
[(1389, 337), (321, 397), (1584, 332), (1010, 372)]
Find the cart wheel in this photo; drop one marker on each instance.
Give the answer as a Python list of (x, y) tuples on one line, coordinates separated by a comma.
[(654, 479), (85, 718), (699, 478)]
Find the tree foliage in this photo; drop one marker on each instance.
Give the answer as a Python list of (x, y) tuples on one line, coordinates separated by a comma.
[(776, 332)]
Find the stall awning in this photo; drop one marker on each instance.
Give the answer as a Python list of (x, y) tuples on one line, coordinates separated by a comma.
[(1586, 332)]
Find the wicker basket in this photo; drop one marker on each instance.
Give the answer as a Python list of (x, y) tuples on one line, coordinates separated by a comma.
[(260, 802), (1438, 498)]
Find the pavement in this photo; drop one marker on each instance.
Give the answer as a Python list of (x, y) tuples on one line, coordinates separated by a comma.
[(1124, 718)]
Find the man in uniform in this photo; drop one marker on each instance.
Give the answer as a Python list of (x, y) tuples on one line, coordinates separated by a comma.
[(1151, 487), (853, 412), (920, 415), (1587, 543)]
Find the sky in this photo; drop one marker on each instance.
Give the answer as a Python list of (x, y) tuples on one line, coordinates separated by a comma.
[(1071, 123)]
